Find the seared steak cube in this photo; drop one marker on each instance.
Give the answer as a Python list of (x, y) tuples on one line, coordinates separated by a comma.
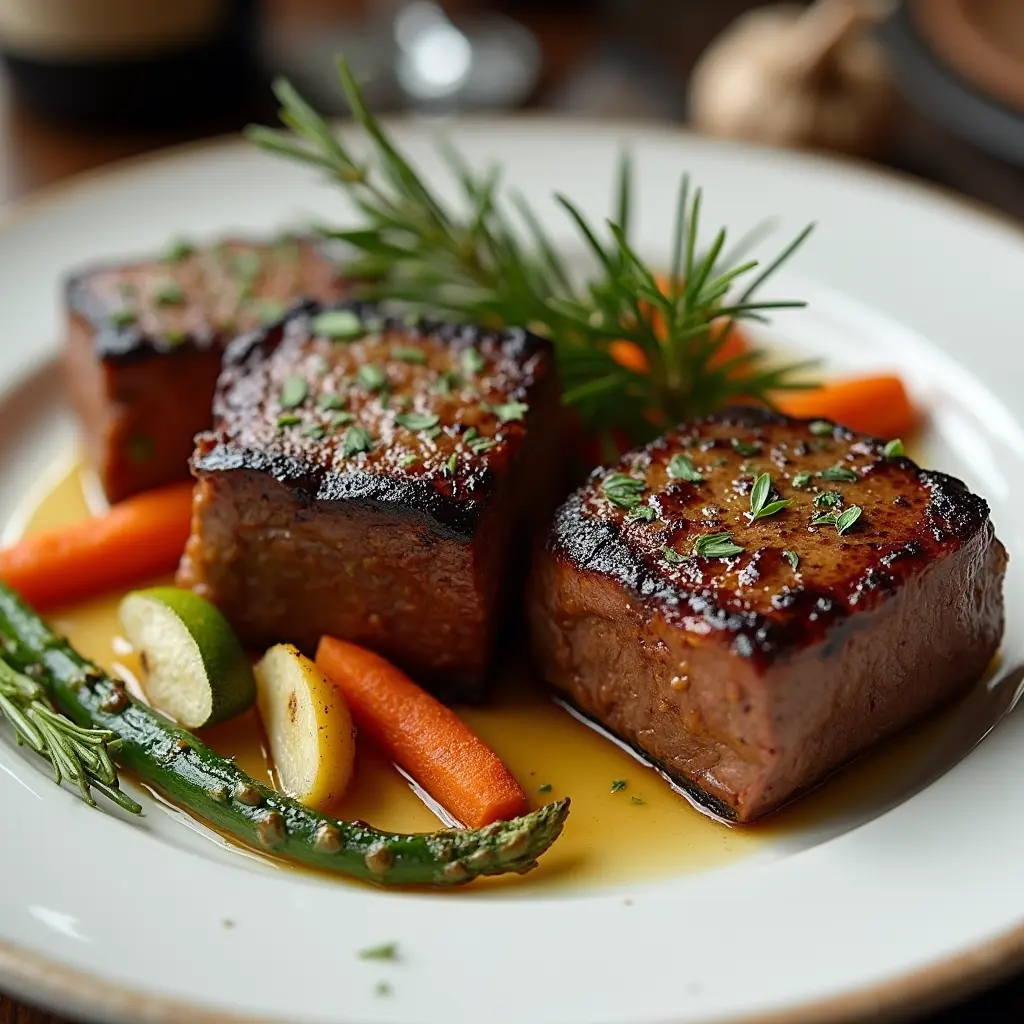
[(749, 657), (145, 342), (367, 479)]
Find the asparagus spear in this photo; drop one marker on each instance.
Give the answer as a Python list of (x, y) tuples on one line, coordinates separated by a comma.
[(213, 788)]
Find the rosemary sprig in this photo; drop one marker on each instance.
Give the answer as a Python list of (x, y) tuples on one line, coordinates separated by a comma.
[(490, 260), (79, 755)]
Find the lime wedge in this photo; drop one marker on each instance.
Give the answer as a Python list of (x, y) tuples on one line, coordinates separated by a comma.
[(196, 670)]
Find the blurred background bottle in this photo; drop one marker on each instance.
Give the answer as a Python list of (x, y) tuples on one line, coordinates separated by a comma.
[(127, 63)]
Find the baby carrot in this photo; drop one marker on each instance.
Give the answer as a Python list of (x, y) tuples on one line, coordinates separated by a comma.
[(423, 736), (136, 540), (871, 405)]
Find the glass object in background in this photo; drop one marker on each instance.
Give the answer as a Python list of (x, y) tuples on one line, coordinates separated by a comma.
[(415, 54), (130, 63)]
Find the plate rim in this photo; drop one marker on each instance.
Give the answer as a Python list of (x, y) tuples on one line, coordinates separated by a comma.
[(29, 976)]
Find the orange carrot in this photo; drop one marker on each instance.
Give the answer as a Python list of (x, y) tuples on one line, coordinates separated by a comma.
[(136, 540), (630, 355), (871, 405), (423, 736)]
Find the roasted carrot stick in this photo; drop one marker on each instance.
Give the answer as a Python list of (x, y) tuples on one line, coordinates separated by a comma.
[(871, 405), (423, 736), (630, 355), (136, 540)]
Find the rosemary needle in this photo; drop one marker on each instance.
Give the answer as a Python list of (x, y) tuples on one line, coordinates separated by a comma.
[(488, 259), (77, 754)]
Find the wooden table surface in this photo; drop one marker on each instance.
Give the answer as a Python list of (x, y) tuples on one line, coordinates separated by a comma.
[(35, 153)]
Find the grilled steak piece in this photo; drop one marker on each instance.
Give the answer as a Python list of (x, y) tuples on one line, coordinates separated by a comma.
[(145, 342), (750, 675), (367, 479)]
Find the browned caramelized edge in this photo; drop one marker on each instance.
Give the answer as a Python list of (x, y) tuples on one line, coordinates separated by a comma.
[(426, 497), (122, 343), (591, 545)]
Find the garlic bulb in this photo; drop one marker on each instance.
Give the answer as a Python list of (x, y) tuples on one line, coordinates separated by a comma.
[(792, 76)]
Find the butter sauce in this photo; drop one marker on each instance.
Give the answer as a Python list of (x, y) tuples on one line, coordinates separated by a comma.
[(616, 834)]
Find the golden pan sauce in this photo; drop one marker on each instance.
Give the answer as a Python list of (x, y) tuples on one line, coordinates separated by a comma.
[(642, 831)]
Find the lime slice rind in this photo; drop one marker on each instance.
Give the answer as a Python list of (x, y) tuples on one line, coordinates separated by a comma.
[(195, 668)]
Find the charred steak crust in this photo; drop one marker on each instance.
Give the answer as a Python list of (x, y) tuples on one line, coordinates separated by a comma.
[(145, 338), (375, 477), (454, 505), (126, 303), (747, 655), (951, 514)]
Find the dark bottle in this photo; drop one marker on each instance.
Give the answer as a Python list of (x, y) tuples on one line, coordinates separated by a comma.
[(131, 63)]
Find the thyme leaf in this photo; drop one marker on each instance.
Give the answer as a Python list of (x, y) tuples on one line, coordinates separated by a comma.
[(716, 545), (681, 468)]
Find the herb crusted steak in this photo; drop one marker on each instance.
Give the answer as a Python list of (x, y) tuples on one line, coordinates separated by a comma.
[(145, 341), (750, 658), (367, 478)]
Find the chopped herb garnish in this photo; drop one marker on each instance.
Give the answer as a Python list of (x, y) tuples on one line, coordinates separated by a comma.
[(470, 433), (382, 988), (357, 439), (288, 420), (141, 449), (409, 354), (315, 431), (479, 445), (123, 317), (681, 468), (330, 400), (760, 507), (409, 460), (169, 294), (844, 524), (893, 448), (721, 460), (270, 309), (450, 464), (246, 264), (472, 362), (175, 337), (623, 490), (339, 419), (792, 557), (820, 428), (510, 411), (546, 788), (637, 800), (340, 324), (180, 249), (828, 499), (838, 474), (385, 951), (446, 380), (127, 289), (618, 785), (744, 448), (671, 556), (246, 292), (416, 420), (842, 521), (293, 392), (640, 513), (801, 481), (371, 376), (716, 545), (432, 432)]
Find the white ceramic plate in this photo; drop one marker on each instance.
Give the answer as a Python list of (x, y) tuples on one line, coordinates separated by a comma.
[(915, 891)]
